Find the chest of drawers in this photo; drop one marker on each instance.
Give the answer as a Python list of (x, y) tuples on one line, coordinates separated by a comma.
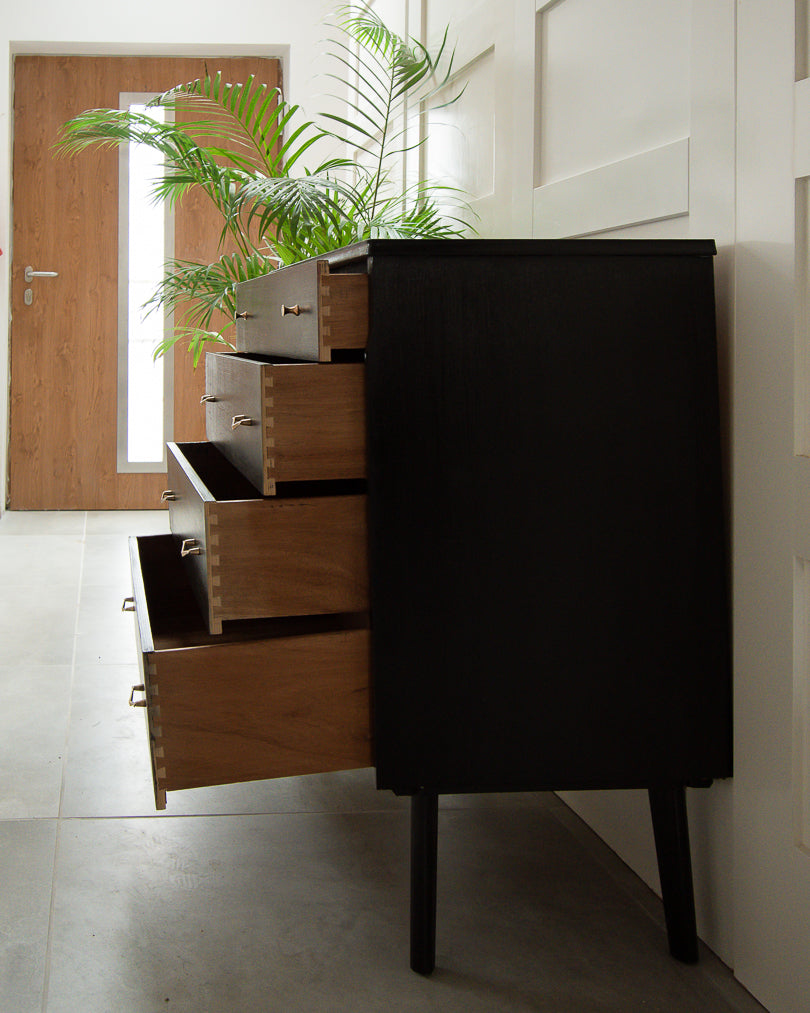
[(535, 428)]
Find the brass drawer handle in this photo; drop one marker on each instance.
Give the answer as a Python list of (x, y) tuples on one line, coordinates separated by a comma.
[(190, 547), (241, 420), (129, 605), (296, 310), (206, 398), (167, 495), (132, 701)]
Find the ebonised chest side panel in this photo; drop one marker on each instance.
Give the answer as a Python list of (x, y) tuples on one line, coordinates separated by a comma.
[(548, 587)]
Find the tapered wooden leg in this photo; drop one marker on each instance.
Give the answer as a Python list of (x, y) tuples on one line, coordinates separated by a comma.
[(424, 845), (671, 829)]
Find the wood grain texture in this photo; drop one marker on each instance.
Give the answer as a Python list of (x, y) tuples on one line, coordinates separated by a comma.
[(263, 709), (307, 419), (264, 557), (316, 422), (343, 311), (271, 699), (281, 557), (333, 312), (62, 445)]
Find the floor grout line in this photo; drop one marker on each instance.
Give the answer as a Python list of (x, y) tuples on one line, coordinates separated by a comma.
[(59, 818)]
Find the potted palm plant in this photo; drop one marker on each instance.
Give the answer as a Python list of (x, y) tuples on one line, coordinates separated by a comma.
[(246, 149)]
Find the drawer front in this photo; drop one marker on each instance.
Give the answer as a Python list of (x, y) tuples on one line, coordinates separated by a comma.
[(302, 312), (145, 694), (287, 422), (236, 418), (260, 704), (248, 557), (187, 497), (288, 557)]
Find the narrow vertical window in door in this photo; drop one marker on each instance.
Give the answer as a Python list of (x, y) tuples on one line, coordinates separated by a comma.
[(145, 242)]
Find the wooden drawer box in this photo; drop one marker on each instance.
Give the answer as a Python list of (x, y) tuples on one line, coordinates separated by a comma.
[(268, 698), (249, 557), (286, 421), (302, 312)]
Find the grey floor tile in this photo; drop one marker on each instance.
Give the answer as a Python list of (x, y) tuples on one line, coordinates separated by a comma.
[(42, 522), (106, 561), (107, 771), (105, 634), (338, 792), (34, 709), (303, 912), (128, 522), (41, 560), (287, 895), (37, 625), (27, 857)]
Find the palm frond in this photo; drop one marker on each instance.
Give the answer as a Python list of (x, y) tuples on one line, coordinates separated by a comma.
[(248, 151)]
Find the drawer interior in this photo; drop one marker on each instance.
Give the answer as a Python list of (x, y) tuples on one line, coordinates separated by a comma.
[(222, 481), (170, 617)]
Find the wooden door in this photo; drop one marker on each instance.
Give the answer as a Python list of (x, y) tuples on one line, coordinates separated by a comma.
[(64, 359)]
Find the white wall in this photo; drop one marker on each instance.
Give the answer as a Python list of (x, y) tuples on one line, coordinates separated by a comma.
[(291, 31)]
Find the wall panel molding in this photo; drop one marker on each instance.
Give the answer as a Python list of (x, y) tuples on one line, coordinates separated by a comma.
[(644, 188)]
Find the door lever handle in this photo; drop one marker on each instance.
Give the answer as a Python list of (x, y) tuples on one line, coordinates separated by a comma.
[(30, 274)]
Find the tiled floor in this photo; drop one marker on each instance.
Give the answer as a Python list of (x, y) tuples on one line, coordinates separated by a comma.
[(277, 896)]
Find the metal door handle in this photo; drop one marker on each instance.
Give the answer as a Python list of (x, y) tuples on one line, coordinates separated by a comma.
[(206, 398), (30, 274), (241, 420), (190, 547)]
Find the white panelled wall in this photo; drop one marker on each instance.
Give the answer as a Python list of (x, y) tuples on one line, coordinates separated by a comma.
[(629, 118)]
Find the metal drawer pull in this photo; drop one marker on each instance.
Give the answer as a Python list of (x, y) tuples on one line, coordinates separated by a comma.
[(167, 495), (244, 315), (190, 547), (296, 310), (206, 398), (129, 605), (132, 701), (241, 420)]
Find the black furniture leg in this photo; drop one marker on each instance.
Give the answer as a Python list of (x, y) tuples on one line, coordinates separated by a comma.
[(671, 829), (424, 843)]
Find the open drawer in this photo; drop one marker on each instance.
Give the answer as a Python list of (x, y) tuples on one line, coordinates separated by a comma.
[(303, 312), (252, 557), (280, 421), (268, 698)]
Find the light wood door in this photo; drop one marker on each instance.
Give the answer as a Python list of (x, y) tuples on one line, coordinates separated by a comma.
[(63, 399)]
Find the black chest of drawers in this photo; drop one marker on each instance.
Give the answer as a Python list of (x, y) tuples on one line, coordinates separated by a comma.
[(547, 588)]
